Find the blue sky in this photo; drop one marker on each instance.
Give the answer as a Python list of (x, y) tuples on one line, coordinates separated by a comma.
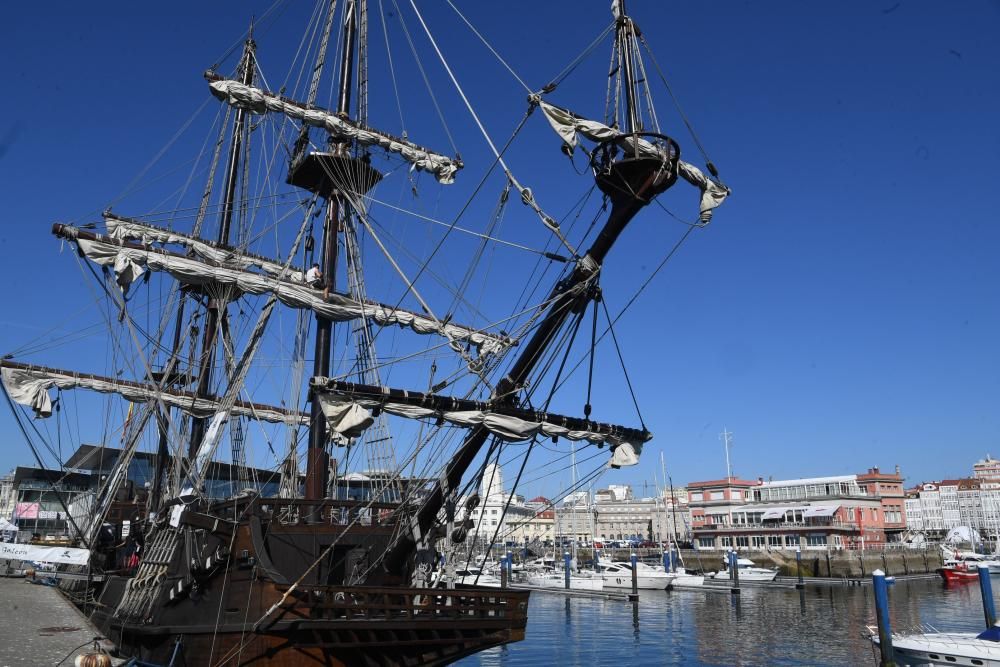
[(840, 312)]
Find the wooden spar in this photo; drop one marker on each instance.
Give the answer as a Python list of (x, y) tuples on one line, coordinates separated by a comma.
[(630, 183), (449, 404), (73, 233), (215, 245), (176, 393), (216, 308)]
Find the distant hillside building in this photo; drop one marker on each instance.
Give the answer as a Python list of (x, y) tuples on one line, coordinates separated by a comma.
[(988, 468)]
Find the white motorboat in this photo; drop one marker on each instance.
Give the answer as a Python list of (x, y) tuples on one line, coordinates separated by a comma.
[(749, 571), (684, 579), (619, 575), (473, 576), (945, 648), (580, 582)]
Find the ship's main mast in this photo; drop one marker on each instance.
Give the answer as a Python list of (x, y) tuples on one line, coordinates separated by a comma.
[(328, 174)]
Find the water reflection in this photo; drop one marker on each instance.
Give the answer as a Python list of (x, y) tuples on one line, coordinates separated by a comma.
[(817, 626)]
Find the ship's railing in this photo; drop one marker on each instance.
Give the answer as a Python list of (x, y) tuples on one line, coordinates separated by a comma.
[(327, 510), (373, 603)]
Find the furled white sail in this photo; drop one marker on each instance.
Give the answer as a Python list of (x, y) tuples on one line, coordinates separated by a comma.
[(29, 386), (259, 101), (130, 262), (350, 415), (568, 125), (122, 229)]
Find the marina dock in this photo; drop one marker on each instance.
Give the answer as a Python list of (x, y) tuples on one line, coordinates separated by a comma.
[(42, 626)]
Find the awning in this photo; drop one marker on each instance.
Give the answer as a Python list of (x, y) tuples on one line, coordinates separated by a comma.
[(779, 512), (821, 510)]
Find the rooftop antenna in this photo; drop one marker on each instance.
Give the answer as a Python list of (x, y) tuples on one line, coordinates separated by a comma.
[(727, 441)]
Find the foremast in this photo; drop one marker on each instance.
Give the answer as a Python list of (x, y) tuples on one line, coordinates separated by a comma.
[(216, 307), (630, 179)]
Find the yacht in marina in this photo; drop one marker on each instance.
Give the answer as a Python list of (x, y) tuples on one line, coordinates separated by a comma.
[(749, 571), (619, 575)]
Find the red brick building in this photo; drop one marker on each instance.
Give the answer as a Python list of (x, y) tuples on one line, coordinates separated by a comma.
[(842, 512)]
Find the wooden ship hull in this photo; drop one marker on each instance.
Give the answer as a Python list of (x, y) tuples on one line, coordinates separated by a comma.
[(218, 592)]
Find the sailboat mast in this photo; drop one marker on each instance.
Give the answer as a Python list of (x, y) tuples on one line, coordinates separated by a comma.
[(317, 462), (210, 333)]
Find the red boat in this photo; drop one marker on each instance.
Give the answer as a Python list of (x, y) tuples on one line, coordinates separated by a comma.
[(954, 574)]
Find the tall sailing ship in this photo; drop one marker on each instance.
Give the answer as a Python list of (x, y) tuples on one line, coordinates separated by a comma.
[(210, 311)]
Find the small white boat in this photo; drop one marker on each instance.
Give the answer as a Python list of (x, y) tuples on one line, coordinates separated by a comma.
[(473, 576), (945, 648), (684, 579), (749, 571), (580, 582), (619, 575)]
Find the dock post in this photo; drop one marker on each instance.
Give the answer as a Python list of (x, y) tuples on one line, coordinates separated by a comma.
[(798, 566), (888, 658), (566, 562), (635, 577), (734, 572), (503, 572), (668, 557), (986, 588), (510, 565)]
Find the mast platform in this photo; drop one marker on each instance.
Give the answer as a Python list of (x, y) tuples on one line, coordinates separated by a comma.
[(329, 173)]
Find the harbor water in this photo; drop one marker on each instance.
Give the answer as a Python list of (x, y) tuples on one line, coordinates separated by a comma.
[(762, 626)]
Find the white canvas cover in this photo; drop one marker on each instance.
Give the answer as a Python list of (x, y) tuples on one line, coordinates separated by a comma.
[(7, 526), (122, 230), (30, 387), (128, 261), (567, 125), (258, 101), (507, 427), (820, 510)]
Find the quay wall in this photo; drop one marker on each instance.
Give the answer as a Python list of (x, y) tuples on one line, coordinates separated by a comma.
[(838, 563), (842, 563)]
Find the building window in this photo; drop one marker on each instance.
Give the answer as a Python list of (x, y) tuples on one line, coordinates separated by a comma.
[(816, 540), (706, 542), (742, 541), (757, 541), (774, 541), (727, 541), (791, 540)]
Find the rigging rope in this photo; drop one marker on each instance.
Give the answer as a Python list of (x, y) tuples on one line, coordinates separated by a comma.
[(526, 195)]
